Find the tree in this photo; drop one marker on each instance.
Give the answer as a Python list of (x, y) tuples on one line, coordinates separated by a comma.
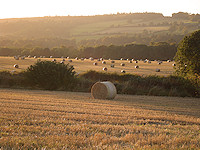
[(187, 57)]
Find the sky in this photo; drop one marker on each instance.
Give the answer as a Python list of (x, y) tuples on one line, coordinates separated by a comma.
[(41, 8)]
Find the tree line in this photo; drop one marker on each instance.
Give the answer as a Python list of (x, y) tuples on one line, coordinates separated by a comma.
[(157, 50)]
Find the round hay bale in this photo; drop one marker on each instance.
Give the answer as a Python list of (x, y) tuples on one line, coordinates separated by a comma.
[(95, 63), (122, 64), (137, 67), (62, 62), (121, 58), (54, 60), (136, 61), (69, 60), (101, 59), (105, 69), (112, 65), (149, 61), (113, 61), (50, 56), (123, 71), (16, 66), (76, 58), (16, 57), (82, 59), (103, 62), (157, 70), (174, 65), (103, 90), (130, 61), (35, 57)]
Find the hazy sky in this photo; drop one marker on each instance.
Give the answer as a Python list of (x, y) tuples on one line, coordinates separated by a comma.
[(37, 8)]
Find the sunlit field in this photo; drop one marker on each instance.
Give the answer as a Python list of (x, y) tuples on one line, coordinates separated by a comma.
[(166, 68), (65, 120)]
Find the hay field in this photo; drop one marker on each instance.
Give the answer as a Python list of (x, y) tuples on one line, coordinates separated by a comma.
[(66, 120), (166, 68)]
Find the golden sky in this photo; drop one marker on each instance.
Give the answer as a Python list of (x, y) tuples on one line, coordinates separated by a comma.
[(40, 8)]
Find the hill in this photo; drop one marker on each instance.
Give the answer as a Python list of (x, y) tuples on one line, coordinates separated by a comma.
[(140, 28)]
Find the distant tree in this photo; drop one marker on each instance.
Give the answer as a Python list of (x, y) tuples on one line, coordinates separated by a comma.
[(188, 55)]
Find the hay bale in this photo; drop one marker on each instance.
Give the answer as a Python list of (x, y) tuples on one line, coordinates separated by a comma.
[(121, 58), (122, 64), (54, 60), (113, 61), (174, 65), (16, 66), (95, 63), (130, 61), (157, 70), (62, 62), (137, 67), (103, 62), (50, 56), (112, 65), (16, 57), (105, 69), (82, 59), (136, 61), (123, 71), (77, 58), (103, 90), (35, 57), (69, 60)]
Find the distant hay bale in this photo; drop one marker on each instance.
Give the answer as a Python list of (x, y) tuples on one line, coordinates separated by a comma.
[(136, 61), (149, 61), (16, 57), (77, 58), (101, 59), (29, 56), (35, 57), (54, 60), (159, 63), (103, 62), (62, 62), (130, 61), (23, 57), (174, 65), (50, 56), (137, 67), (105, 69), (123, 71), (91, 58), (82, 59), (113, 61), (157, 70), (103, 90), (69, 60), (122, 64), (95, 63), (98, 59), (16, 66), (121, 58), (63, 59), (112, 65), (168, 60)]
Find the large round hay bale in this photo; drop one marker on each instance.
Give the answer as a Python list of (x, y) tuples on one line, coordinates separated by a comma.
[(104, 90), (16, 66)]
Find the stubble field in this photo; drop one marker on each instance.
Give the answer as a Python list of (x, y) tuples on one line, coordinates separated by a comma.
[(166, 68), (66, 120)]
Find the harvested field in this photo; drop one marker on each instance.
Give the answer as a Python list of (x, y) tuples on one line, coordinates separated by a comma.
[(60, 120), (166, 68)]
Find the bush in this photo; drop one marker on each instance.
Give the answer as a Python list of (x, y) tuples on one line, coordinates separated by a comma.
[(51, 75), (148, 85)]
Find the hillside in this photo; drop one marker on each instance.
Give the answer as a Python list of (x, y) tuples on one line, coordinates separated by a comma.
[(141, 28)]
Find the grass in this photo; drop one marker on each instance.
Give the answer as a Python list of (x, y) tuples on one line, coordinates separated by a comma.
[(65, 120), (86, 65)]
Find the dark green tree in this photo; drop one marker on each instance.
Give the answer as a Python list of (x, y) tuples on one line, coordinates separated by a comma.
[(51, 75), (187, 57)]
